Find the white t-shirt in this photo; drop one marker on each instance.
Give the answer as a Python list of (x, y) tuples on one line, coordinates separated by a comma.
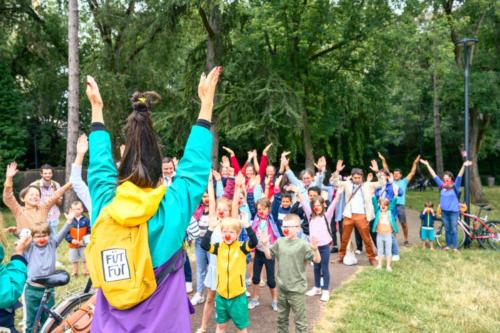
[(358, 201)]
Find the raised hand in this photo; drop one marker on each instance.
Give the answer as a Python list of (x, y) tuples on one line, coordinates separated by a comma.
[(69, 216), (122, 150), (175, 161), (11, 170), (381, 156), (207, 85), (93, 93), (240, 180), (216, 175), (264, 152), (11, 230), (229, 150), (22, 244), (82, 145), (467, 163), (417, 159), (321, 165), (424, 162), (374, 166), (244, 221), (369, 177), (340, 166)]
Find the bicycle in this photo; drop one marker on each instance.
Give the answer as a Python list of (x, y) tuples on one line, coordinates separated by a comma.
[(487, 233), (63, 310)]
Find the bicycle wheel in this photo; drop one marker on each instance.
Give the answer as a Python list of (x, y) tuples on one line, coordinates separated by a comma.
[(439, 233), (494, 241), (461, 234), (65, 309)]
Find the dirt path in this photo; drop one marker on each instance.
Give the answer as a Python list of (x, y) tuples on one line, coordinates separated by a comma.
[(263, 319)]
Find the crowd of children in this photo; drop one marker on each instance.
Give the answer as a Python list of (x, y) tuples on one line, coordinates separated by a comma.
[(256, 225)]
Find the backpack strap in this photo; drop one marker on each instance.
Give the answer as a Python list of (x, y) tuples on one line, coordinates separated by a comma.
[(328, 226), (175, 263)]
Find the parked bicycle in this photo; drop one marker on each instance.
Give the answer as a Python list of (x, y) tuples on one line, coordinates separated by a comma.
[(487, 233), (59, 313), (421, 184)]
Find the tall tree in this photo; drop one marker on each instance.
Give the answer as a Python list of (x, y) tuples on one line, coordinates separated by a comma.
[(73, 90)]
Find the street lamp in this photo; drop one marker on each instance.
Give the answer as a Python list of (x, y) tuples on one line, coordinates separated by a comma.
[(467, 43)]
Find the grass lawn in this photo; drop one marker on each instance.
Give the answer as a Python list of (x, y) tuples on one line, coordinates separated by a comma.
[(415, 200), (427, 292)]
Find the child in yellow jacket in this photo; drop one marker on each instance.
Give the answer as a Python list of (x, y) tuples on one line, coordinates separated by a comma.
[(230, 301)]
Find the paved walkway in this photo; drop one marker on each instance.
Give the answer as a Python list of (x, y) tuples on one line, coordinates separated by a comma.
[(263, 319)]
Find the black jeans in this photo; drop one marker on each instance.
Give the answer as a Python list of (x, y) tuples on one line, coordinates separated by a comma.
[(260, 260)]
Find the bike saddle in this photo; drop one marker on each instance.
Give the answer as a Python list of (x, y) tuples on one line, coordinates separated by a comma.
[(56, 279)]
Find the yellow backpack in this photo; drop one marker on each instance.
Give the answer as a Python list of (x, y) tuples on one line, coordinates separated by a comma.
[(118, 255)]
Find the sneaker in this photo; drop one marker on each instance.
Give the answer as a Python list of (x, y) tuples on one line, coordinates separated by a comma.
[(313, 292), (248, 294), (446, 248), (389, 269), (262, 283), (274, 305), (406, 243), (325, 296), (189, 287), (253, 304), (378, 267), (395, 257), (197, 299), (357, 252), (334, 250)]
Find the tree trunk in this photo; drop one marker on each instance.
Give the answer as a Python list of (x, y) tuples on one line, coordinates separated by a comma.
[(215, 50), (478, 123), (308, 149), (73, 91), (437, 125)]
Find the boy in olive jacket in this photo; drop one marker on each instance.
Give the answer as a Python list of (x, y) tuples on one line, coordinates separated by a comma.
[(230, 300)]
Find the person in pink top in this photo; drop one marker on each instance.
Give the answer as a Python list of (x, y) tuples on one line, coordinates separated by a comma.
[(319, 230)]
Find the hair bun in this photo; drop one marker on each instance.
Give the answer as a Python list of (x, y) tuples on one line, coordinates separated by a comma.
[(142, 101)]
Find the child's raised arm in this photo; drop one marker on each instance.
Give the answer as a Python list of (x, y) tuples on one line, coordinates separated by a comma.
[(205, 241), (331, 209), (8, 192)]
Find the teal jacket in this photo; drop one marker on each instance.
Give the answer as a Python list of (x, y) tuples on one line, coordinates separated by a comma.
[(392, 206), (167, 228), (12, 279)]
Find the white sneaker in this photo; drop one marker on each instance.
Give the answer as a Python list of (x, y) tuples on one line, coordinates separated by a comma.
[(189, 287), (274, 306), (313, 292), (253, 304), (197, 299), (389, 268), (325, 296), (378, 267), (357, 252), (395, 258)]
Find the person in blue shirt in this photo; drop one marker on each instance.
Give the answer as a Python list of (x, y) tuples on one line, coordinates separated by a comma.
[(449, 195), (402, 184)]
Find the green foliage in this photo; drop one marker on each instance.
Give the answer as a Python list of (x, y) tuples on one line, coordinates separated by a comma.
[(12, 111), (358, 71)]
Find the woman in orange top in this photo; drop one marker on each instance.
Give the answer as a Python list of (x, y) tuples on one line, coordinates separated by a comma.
[(32, 212)]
